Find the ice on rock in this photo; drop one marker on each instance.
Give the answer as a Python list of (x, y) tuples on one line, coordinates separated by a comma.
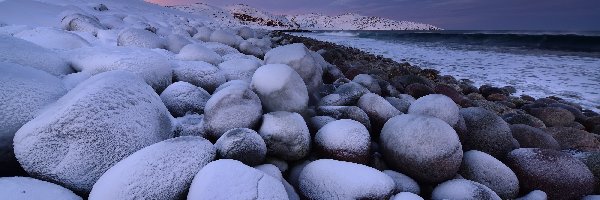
[(239, 69), (225, 37), (24, 91), (406, 196), (52, 38), (463, 189), (183, 97), (189, 125), (25, 188), (199, 73), (286, 135), (18, 51), (198, 52), (95, 125), (231, 179), (306, 64), (220, 48), (332, 179), (403, 182), (175, 42), (232, 107), (436, 105), (423, 147), (150, 66), (280, 88), (160, 171), (489, 171), (81, 22), (345, 140), (242, 144), (203, 34)]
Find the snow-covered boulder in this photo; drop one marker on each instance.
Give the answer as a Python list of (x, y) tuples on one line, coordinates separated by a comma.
[(220, 48), (344, 95), (332, 179), (242, 144), (225, 37), (232, 107), (346, 112), (95, 125), (532, 137), (198, 52), (160, 171), (274, 172), (489, 171), (18, 51), (463, 189), (403, 182), (486, 132), (345, 140), (402, 102), (139, 38), (280, 88), (203, 34), (317, 122), (199, 73), (423, 147), (406, 196), (286, 135), (537, 195), (368, 82), (436, 105), (24, 91), (239, 69), (303, 61), (250, 48), (246, 32), (183, 97), (83, 23), (25, 188), (378, 109), (176, 42), (53, 38), (150, 66), (231, 179)]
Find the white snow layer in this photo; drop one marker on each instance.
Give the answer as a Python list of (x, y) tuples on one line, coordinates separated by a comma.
[(280, 88), (18, 51), (53, 38), (25, 188), (436, 105)]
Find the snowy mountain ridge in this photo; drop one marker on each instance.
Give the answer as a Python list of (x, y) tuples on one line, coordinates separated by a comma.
[(240, 14)]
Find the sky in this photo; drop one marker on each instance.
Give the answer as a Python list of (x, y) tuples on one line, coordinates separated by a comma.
[(563, 15)]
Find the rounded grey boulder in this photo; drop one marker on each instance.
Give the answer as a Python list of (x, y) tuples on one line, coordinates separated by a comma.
[(286, 135), (183, 97), (345, 140), (232, 107), (489, 171), (486, 132), (280, 88), (436, 105), (463, 189), (26, 188), (242, 144)]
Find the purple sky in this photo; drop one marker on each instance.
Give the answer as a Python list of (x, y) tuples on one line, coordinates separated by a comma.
[(448, 14)]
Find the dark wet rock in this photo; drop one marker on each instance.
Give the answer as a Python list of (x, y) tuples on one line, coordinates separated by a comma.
[(407, 80), (454, 94), (571, 138), (418, 90), (527, 97), (531, 137), (592, 124), (522, 118), (495, 107), (486, 132), (546, 101), (496, 97), (487, 90), (475, 96), (553, 116), (575, 111)]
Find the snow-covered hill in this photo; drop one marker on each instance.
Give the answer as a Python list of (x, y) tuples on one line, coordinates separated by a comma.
[(241, 14)]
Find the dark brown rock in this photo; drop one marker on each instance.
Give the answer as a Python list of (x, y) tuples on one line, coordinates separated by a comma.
[(486, 132), (418, 90), (522, 118), (572, 138), (531, 137), (454, 94), (553, 116)]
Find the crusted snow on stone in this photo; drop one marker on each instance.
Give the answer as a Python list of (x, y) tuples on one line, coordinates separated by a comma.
[(280, 88), (18, 51), (25, 188), (198, 52)]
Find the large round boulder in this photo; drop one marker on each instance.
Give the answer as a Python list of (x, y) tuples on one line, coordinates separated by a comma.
[(403, 182), (199, 73), (286, 135), (160, 171), (345, 140), (183, 97), (231, 179), (53, 38), (198, 52), (368, 82), (463, 189), (346, 112), (423, 147), (489, 171), (280, 88), (242, 144), (531, 137), (232, 107), (378, 109), (436, 105), (139, 38), (239, 69), (486, 132), (225, 37), (572, 138), (553, 116), (332, 179), (26, 188), (558, 174), (101, 121)]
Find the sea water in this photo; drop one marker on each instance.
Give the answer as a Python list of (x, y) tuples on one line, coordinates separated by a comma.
[(539, 64)]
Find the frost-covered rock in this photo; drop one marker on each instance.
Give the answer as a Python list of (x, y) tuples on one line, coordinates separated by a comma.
[(25, 188), (232, 107), (553, 116), (403, 183), (150, 66), (402, 102), (231, 179), (203, 34), (332, 179), (534, 195), (80, 22), (345, 140), (183, 97), (558, 174), (346, 112), (346, 94), (572, 138), (18, 51), (486, 132), (274, 172), (368, 82), (489, 171), (280, 88), (160, 171), (423, 147), (248, 47), (463, 189), (286, 135), (239, 69), (189, 125), (531, 137), (237, 83), (378, 109), (98, 123), (317, 122), (436, 105), (24, 91), (139, 38), (220, 48), (305, 62), (199, 73), (175, 42), (198, 52), (242, 144), (225, 37), (406, 196), (246, 32), (52, 38)]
